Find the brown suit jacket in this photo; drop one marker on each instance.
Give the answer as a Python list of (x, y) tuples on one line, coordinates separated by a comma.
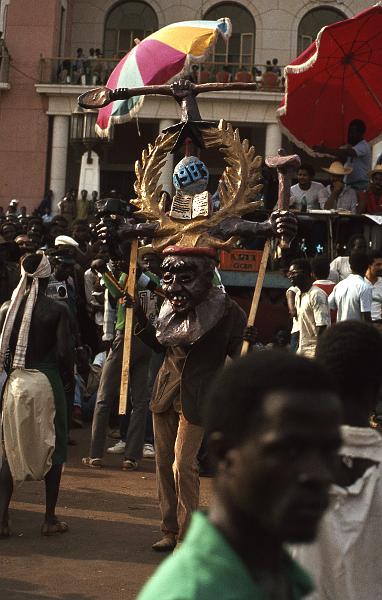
[(202, 361)]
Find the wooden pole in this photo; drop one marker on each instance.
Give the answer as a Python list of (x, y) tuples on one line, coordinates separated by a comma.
[(129, 315), (257, 292)]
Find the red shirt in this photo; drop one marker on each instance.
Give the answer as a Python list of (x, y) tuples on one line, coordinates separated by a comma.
[(373, 203)]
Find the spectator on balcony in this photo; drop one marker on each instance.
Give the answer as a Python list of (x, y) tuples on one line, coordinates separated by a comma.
[(64, 70), (275, 67), (79, 66), (268, 67), (91, 79), (256, 74), (243, 75), (306, 192), (224, 76), (99, 68), (370, 202), (337, 195), (194, 75), (270, 81), (355, 154)]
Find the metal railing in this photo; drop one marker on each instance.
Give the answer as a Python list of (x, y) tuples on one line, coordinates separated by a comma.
[(96, 71), (4, 64)]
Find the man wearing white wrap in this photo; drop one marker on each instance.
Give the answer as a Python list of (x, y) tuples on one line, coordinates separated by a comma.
[(35, 346)]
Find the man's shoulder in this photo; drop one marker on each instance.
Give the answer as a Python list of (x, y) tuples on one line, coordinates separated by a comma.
[(363, 147), (364, 284), (317, 297), (316, 185), (351, 191), (315, 290), (200, 571), (177, 578)]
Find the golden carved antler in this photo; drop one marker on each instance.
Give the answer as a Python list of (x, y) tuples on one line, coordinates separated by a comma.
[(238, 185)]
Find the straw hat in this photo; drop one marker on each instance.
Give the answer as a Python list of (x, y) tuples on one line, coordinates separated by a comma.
[(337, 168), (377, 169)]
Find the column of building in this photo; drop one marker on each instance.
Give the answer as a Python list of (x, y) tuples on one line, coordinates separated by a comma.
[(60, 140)]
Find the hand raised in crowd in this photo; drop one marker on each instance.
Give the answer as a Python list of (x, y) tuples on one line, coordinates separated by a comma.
[(283, 224), (250, 335), (110, 226)]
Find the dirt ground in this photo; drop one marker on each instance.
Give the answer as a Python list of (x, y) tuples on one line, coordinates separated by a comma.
[(113, 518)]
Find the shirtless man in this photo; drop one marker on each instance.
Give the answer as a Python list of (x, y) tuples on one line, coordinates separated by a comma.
[(48, 351)]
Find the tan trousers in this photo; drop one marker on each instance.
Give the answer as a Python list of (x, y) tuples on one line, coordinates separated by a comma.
[(177, 444)]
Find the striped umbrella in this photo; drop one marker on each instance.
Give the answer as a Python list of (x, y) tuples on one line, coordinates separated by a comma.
[(157, 59)]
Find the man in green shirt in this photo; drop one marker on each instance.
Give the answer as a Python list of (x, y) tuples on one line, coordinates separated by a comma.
[(273, 426), (111, 374)]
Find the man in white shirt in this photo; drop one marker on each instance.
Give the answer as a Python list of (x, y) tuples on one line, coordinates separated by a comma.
[(337, 195), (344, 560), (304, 195), (356, 154), (340, 267), (312, 307), (352, 297), (374, 278)]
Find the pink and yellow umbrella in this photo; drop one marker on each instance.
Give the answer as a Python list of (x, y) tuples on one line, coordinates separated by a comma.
[(156, 60)]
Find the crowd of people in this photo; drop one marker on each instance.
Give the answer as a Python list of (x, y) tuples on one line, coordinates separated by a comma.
[(275, 450), (267, 77), (88, 69)]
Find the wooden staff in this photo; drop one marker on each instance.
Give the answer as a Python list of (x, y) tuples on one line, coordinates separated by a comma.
[(129, 316), (257, 292), (285, 166)]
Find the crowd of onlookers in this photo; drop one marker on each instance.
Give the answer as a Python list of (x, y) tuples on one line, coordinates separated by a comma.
[(85, 70), (92, 68), (289, 471), (87, 278), (267, 77)]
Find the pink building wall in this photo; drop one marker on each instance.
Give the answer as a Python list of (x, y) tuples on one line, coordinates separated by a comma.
[(32, 29)]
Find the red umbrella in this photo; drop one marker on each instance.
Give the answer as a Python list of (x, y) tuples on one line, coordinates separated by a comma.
[(337, 79)]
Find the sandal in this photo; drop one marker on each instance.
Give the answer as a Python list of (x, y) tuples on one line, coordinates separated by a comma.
[(93, 463), (53, 528)]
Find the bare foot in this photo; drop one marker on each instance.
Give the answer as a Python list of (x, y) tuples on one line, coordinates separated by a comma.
[(55, 527)]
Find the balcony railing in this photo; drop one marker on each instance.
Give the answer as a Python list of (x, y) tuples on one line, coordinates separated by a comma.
[(93, 72), (4, 64)]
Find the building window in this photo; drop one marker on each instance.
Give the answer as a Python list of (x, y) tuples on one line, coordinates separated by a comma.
[(126, 22), (313, 21), (239, 51)]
